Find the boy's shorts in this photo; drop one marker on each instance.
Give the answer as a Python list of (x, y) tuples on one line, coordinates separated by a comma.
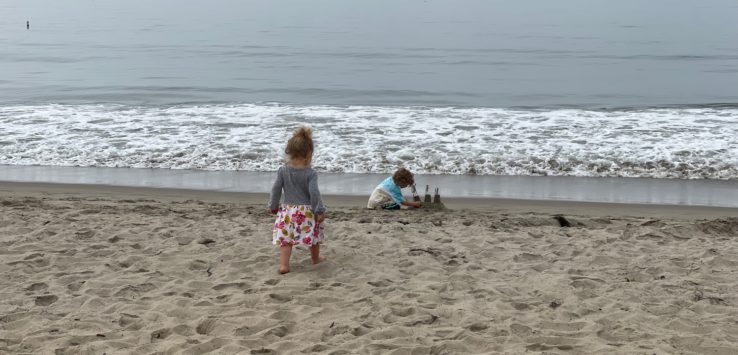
[(382, 200), (391, 206)]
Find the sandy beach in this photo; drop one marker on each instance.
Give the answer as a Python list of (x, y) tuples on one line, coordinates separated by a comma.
[(105, 270)]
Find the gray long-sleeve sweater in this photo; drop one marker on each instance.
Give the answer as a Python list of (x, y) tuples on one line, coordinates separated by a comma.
[(300, 187)]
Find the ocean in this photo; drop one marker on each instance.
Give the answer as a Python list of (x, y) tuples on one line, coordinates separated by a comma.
[(526, 88)]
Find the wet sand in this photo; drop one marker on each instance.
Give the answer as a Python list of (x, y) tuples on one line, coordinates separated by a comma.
[(95, 269), (681, 192)]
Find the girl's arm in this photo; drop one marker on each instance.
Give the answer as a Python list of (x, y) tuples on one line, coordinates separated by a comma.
[(276, 193), (316, 202)]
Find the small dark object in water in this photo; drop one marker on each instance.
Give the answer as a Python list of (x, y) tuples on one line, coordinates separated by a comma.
[(563, 222)]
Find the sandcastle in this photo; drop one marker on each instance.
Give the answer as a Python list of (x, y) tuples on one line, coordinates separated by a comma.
[(416, 197), (428, 202)]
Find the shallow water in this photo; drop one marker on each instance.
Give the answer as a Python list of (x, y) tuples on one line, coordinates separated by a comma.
[(714, 193), (575, 87)]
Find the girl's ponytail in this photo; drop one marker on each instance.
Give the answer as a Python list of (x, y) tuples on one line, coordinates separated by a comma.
[(301, 144), (304, 132)]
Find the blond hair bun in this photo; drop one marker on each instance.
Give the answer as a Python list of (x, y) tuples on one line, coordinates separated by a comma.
[(301, 144), (304, 132)]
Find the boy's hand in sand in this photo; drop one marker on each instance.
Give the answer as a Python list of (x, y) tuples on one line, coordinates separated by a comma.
[(415, 204), (320, 218)]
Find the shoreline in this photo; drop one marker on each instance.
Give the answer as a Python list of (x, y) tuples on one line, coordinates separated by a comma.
[(334, 202), (715, 193)]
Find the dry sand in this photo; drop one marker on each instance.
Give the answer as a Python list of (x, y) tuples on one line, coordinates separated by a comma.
[(98, 270)]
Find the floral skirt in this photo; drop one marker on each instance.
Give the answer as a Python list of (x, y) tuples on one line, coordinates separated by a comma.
[(295, 225)]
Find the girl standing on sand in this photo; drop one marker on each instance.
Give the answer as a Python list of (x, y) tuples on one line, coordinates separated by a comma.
[(300, 215)]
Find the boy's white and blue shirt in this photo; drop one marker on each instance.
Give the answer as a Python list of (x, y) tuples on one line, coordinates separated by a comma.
[(389, 186)]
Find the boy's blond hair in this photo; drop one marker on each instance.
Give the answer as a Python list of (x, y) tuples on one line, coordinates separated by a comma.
[(300, 146), (403, 177)]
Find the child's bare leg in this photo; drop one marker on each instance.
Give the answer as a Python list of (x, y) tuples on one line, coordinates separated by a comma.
[(285, 252), (315, 254)]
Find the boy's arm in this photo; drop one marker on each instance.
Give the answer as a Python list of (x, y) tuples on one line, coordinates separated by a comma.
[(415, 204)]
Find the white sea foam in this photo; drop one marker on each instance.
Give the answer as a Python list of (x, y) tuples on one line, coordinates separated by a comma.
[(666, 142)]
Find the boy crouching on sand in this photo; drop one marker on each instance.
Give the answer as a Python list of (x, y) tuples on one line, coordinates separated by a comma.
[(388, 194)]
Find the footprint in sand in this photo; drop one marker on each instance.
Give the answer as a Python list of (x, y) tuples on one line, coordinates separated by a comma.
[(199, 265), (33, 256), (160, 334), (206, 326), (586, 282), (46, 300), (128, 319), (621, 333), (75, 286), (544, 347), (280, 298), (520, 330), (316, 348), (38, 286), (131, 291), (207, 347), (279, 331), (222, 298), (84, 234), (477, 327), (405, 263), (380, 283), (237, 285), (9, 318), (36, 260), (526, 257), (403, 311), (564, 327), (183, 330), (283, 315)]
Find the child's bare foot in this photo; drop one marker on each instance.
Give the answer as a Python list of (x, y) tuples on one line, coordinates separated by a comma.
[(315, 254), (284, 258)]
